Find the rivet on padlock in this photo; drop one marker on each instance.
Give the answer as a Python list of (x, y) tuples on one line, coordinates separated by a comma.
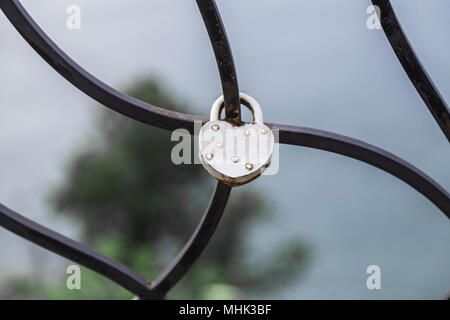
[(233, 154)]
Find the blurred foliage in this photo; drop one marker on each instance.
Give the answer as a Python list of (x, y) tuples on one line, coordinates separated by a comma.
[(136, 206)]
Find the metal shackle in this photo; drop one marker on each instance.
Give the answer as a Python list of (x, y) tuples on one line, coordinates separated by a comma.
[(246, 100)]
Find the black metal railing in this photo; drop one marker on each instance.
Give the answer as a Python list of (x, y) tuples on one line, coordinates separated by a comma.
[(170, 120)]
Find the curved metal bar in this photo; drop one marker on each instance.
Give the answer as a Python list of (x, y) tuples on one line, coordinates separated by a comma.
[(413, 68), (86, 82), (114, 99), (224, 58), (112, 269), (196, 244), (75, 251), (370, 154)]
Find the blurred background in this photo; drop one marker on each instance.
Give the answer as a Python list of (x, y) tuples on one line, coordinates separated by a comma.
[(308, 232)]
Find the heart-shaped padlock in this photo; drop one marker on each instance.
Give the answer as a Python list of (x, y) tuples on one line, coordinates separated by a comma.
[(233, 154)]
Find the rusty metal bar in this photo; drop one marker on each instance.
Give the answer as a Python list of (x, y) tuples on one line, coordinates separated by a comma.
[(224, 57)]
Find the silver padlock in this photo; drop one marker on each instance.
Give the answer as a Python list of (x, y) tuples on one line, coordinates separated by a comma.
[(233, 154)]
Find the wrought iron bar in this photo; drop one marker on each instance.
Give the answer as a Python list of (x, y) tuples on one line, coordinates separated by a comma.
[(170, 120), (196, 244), (224, 57), (112, 269), (86, 82), (377, 157), (413, 67), (75, 251)]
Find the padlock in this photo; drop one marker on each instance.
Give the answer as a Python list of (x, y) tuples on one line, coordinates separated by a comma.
[(233, 154)]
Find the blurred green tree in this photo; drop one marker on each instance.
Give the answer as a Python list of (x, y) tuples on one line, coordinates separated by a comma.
[(136, 206)]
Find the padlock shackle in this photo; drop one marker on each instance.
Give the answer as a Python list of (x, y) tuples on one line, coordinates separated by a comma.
[(246, 100)]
